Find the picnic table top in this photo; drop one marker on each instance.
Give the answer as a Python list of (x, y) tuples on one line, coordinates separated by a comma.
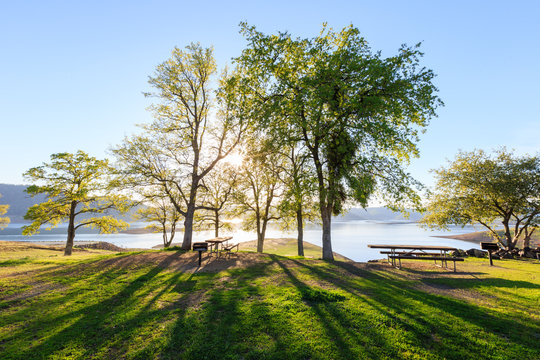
[(412, 247), (219, 240)]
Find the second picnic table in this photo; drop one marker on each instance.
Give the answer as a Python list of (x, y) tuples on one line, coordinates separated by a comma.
[(417, 252), (215, 242)]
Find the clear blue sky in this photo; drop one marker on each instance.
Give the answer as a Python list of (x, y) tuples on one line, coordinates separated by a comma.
[(72, 72)]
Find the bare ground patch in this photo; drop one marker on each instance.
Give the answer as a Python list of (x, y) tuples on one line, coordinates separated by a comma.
[(422, 272)]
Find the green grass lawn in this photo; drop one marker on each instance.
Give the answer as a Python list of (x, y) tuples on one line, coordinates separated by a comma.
[(143, 306)]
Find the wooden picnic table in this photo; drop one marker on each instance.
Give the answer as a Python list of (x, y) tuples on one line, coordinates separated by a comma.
[(417, 252), (215, 242)]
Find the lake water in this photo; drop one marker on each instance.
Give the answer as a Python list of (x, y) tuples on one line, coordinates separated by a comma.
[(348, 238)]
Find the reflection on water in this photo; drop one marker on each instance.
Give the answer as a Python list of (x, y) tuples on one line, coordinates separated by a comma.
[(348, 238)]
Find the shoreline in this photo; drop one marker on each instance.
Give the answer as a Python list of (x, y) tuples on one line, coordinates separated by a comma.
[(474, 238), (279, 246)]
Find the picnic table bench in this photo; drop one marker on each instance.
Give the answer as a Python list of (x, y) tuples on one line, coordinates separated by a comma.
[(418, 252)]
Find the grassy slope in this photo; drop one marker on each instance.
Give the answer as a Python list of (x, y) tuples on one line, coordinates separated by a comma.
[(106, 306), (287, 247)]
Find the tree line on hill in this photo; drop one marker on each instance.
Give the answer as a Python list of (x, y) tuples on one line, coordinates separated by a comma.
[(298, 130)]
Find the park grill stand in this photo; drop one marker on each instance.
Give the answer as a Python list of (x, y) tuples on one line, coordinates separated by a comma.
[(489, 246), (200, 247)]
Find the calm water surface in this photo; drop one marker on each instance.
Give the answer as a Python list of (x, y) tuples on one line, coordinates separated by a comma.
[(348, 238)]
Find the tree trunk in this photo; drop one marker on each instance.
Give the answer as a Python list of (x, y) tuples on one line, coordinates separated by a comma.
[(300, 225), (260, 243), (527, 243), (507, 235), (260, 235), (188, 227), (165, 242), (325, 208), (327, 253), (527, 239), (173, 232), (216, 223), (71, 229)]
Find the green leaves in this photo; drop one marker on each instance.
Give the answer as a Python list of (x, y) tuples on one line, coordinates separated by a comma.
[(75, 184), (358, 114), (478, 188)]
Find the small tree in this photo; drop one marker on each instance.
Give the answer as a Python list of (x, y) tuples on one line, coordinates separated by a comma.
[(257, 193), (4, 220), (163, 216), (216, 197), (298, 203), (75, 186), (477, 188)]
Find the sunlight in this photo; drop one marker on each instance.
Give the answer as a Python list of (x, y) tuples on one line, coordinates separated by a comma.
[(235, 221), (235, 159)]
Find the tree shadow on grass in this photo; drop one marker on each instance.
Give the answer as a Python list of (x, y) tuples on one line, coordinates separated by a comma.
[(259, 312), (486, 282), (504, 329), (351, 340), (217, 328), (99, 329), (443, 273)]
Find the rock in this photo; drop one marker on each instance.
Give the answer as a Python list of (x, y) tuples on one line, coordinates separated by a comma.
[(476, 253), (459, 253), (504, 254), (527, 253), (101, 245)]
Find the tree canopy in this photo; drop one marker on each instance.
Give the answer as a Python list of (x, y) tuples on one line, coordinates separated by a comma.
[(490, 190), (76, 186), (358, 114)]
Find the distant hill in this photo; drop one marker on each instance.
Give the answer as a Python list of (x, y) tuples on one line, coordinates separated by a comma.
[(19, 202), (377, 214)]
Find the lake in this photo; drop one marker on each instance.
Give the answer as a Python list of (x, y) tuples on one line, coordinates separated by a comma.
[(349, 238)]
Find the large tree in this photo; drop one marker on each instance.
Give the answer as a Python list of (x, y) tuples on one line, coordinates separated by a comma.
[(76, 186), (358, 114), (4, 220), (195, 127), (490, 190)]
